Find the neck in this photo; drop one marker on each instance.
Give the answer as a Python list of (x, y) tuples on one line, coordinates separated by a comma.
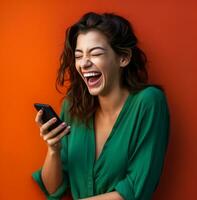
[(112, 102)]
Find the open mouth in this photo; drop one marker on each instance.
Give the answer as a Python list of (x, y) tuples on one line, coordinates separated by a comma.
[(92, 78)]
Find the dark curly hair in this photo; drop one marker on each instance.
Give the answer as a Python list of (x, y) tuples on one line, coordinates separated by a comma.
[(121, 37)]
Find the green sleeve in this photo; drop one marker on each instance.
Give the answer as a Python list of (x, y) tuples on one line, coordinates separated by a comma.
[(65, 184), (147, 158)]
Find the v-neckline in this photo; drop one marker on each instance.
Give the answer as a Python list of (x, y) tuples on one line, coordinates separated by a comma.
[(123, 109)]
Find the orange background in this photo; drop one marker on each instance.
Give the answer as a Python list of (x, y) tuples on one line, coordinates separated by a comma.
[(31, 40)]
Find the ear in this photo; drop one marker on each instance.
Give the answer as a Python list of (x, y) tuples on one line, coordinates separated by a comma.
[(125, 58)]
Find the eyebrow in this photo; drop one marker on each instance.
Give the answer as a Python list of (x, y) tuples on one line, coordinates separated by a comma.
[(79, 50)]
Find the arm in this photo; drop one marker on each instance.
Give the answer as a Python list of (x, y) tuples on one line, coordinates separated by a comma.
[(52, 171), (52, 177), (106, 196), (146, 158)]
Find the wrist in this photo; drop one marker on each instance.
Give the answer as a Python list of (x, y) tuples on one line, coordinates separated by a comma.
[(53, 151)]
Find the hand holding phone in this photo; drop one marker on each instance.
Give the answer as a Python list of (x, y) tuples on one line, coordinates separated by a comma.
[(51, 131), (48, 113)]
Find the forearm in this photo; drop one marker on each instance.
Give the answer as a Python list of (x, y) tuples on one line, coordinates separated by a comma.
[(107, 196), (52, 171)]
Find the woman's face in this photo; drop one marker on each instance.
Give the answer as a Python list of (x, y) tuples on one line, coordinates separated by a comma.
[(97, 63)]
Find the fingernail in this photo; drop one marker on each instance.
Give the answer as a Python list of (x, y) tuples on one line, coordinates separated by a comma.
[(68, 127), (63, 124)]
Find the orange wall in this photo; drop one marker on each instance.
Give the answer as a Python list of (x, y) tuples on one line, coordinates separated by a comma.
[(31, 39)]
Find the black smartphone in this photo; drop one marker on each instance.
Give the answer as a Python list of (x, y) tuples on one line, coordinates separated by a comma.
[(48, 113)]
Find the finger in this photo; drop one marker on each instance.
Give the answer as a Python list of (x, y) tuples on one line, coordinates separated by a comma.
[(38, 118), (55, 131), (45, 126), (56, 139)]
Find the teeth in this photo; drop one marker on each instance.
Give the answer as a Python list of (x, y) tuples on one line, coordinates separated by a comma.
[(88, 74)]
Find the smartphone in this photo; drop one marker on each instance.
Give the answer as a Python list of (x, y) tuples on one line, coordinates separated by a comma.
[(48, 113)]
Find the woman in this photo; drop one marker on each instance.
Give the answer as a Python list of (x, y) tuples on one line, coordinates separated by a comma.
[(119, 123)]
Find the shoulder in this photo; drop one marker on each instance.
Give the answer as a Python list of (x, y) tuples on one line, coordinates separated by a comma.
[(151, 96), (151, 93)]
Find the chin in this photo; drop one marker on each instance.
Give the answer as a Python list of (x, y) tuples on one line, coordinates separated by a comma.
[(95, 91)]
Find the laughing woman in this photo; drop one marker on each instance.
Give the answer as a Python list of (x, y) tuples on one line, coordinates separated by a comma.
[(119, 123)]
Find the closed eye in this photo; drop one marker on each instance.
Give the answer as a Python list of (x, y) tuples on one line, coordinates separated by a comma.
[(97, 54), (78, 56)]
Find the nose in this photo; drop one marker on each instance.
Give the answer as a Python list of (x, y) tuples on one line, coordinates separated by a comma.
[(85, 62)]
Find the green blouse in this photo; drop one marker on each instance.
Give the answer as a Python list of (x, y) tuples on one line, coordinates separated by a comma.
[(132, 158)]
